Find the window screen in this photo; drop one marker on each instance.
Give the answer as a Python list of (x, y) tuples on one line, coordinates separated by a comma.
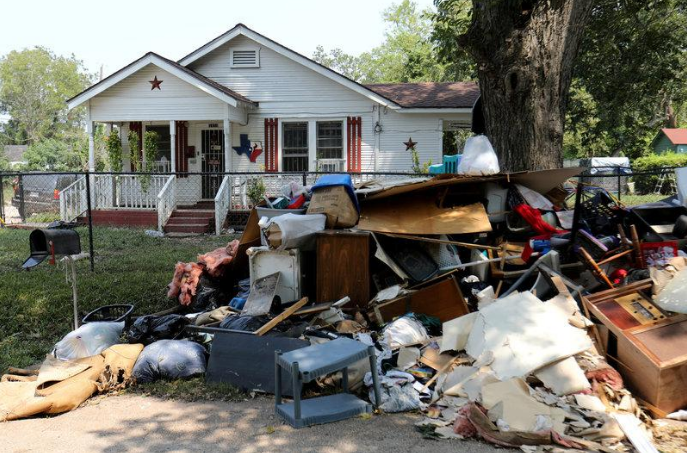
[(295, 146)]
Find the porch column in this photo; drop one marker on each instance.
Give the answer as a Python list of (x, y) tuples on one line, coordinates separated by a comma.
[(91, 145), (173, 145), (228, 155)]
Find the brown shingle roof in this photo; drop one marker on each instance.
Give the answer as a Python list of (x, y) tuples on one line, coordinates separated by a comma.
[(436, 95)]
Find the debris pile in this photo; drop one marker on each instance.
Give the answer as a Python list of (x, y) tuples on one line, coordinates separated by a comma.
[(514, 308)]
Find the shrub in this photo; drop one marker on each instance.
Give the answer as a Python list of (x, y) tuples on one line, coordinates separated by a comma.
[(645, 184)]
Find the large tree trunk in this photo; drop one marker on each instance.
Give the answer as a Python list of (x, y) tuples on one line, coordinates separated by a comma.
[(524, 52)]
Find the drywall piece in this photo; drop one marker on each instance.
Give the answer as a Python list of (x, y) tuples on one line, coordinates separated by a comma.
[(631, 427), (456, 332), (261, 295), (453, 384), (511, 404), (524, 334), (408, 357), (674, 294), (563, 377), (535, 199), (590, 402)]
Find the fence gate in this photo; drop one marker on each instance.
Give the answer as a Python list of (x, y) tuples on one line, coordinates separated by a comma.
[(213, 161)]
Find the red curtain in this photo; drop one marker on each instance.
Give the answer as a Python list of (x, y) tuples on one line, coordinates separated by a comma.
[(354, 144)]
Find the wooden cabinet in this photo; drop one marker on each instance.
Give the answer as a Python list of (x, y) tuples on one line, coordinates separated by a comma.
[(343, 266), (647, 345)]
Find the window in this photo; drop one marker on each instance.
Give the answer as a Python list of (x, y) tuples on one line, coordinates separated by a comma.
[(245, 58), (329, 140), (295, 146)]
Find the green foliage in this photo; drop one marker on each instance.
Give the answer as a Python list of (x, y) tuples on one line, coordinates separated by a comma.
[(645, 184), (407, 54), (4, 163), (132, 139), (451, 20), (256, 190), (417, 167), (57, 155), (629, 72), (150, 140), (34, 84), (114, 151)]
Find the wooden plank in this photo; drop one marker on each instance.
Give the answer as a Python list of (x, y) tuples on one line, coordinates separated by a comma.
[(288, 312)]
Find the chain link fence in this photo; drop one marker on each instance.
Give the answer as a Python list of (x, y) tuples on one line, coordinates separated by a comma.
[(211, 203)]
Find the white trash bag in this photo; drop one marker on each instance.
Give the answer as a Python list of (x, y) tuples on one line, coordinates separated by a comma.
[(88, 340), (479, 157), (292, 231)]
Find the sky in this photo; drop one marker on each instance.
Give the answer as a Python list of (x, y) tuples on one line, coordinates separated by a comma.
[(115, 33)]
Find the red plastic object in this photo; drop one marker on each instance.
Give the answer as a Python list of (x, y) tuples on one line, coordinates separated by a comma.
[(297, 202)]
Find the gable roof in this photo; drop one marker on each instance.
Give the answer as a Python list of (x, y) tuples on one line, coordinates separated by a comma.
[(242, 30), (677, 136), (440, 95), (199, 81)]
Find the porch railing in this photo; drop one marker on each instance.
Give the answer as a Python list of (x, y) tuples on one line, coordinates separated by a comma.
[(73, 200), (127, 191), (166, 202), (222, 203)]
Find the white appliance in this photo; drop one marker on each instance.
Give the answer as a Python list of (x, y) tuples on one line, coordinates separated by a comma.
[(289, 263)]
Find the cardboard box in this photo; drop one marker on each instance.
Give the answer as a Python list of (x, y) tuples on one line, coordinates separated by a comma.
[(336, 204)]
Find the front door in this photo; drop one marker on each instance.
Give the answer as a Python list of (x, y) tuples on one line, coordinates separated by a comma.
[(213, 161)]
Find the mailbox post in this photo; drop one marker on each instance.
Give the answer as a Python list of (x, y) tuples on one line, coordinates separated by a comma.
[(52, 243)]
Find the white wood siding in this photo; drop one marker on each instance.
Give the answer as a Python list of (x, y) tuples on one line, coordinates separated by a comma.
[(397, 128), (133, 100), (281, 86)]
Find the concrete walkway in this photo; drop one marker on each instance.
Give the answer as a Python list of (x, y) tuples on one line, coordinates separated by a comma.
[(144, 424)]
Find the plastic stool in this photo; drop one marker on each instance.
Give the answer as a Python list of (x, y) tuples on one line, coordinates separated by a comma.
[(307, 364)]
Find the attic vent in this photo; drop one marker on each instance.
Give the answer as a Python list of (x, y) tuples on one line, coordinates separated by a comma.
[(245, 58)]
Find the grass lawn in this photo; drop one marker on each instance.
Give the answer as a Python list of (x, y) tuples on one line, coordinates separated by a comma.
[(635, 200), (130, 267)]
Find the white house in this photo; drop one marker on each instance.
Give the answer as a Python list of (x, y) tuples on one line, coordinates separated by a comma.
[(279, 112)]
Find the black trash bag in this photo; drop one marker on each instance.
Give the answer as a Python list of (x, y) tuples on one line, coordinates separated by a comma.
[(247, 323), (204, 300), (149, 329), (170, 359), (286, 328)]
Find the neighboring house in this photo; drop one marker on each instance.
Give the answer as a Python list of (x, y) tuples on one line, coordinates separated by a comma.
[(670, 140), (277, 110), (15, 155)]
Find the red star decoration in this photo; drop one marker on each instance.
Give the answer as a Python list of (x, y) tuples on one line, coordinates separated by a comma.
[(155, 83), (410, 144)]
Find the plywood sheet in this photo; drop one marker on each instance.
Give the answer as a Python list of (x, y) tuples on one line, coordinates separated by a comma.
[(419, 214)]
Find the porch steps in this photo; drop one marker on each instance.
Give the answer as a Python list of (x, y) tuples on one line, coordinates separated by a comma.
[(198, 219)]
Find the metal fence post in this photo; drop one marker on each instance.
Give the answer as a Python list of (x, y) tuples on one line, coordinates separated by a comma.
[(305, 179), (90, 219), (22, 206), (2, 200), (617, 170)]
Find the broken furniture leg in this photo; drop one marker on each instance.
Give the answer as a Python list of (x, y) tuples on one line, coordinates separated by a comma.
[(598, 272)]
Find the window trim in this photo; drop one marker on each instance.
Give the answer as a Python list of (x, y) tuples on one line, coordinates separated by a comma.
[(312, 131), (244, 49)]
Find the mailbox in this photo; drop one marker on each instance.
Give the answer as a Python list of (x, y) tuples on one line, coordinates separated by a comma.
[(51, 243)]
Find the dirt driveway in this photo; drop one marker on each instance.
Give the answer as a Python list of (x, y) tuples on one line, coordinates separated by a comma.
[(132, 423)]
